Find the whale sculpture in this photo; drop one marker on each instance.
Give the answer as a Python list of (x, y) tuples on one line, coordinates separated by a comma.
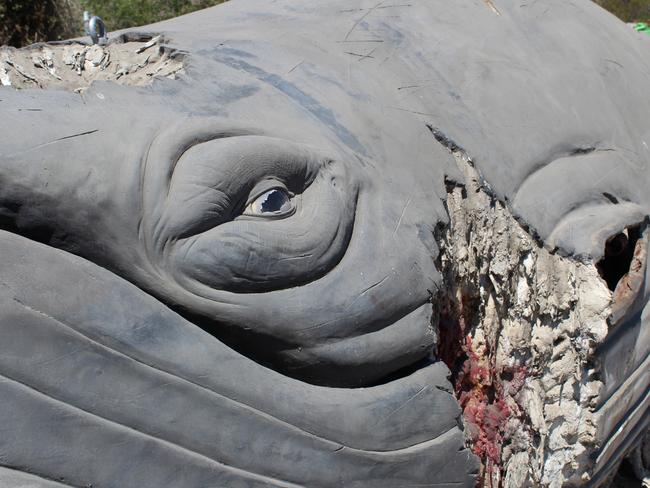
[(234, 278)]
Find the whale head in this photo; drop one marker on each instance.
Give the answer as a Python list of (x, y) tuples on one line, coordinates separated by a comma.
[(286, 194)]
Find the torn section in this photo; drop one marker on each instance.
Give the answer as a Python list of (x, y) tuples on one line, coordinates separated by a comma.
[(623, 253), (130, 59), (519, 328)]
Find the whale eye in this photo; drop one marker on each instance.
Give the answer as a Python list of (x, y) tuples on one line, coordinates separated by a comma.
[(275, 202)]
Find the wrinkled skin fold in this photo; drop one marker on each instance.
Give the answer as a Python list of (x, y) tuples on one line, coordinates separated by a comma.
[(227, 279)]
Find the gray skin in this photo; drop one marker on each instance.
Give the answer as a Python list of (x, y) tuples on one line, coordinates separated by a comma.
[(163, 332)]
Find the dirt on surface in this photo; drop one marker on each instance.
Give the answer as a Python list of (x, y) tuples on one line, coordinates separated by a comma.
[(131, 59)]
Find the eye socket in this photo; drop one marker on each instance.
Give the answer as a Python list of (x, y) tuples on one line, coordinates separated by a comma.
[(275, 202)]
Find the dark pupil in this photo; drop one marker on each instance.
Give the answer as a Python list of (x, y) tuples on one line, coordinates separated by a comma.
[(274, 201)]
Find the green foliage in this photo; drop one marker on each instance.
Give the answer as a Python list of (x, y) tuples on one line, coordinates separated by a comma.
[(27, 21), (628, 10), (24, 22), (119, 14)]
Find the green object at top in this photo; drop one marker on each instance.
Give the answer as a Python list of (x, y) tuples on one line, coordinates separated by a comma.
[(642, 27)]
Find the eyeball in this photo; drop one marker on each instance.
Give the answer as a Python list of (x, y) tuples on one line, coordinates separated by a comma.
[(275, 202)]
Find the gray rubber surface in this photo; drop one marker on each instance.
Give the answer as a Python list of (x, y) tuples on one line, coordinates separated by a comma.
[(262, 374)]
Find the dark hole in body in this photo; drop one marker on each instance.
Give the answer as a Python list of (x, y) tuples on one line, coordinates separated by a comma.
[(619, 252)]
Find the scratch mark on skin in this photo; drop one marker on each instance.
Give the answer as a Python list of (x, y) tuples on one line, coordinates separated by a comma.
[(320, 325), (410, 111), (65, 138), (399, 222), (409, 400), (361, 56), (369, 55), (392, 53), (55, 141), (74, 135), (414, 90), (293, 258), (361, 19), (373, 286), (493, 7), (613, 62), (296, 66)]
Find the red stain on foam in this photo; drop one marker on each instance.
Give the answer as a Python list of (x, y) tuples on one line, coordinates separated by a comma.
[(482, 388), (481, 398)]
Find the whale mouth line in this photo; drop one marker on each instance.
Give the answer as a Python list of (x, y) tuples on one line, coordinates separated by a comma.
[(355, 355)]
